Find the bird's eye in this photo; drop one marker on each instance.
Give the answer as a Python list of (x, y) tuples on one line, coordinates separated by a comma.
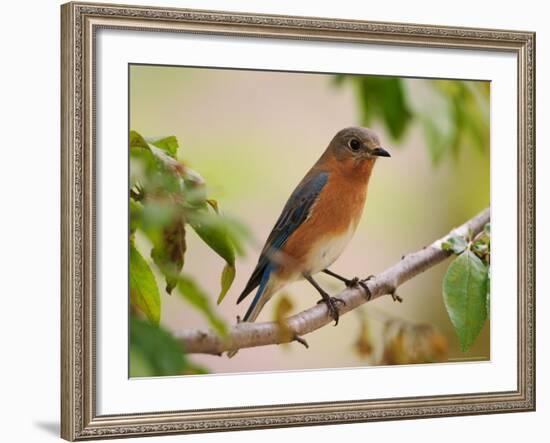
[(354, 144)]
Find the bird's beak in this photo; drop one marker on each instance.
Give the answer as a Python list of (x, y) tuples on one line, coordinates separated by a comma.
[(380, 152)]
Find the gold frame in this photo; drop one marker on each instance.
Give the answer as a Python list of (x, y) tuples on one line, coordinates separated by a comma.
[(79, 23)]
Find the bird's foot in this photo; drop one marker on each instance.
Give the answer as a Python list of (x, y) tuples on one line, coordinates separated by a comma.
[(300, 340), (331, 302), (352, 283), (332, 305), (356, 281)]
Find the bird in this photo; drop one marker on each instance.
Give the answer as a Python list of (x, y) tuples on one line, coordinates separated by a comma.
[(317, 222)]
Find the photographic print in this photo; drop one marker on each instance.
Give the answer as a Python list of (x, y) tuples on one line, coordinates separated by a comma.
[(280, 220), (248, 202)]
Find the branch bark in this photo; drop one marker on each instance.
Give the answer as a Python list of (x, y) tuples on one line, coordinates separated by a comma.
[(248, 335)]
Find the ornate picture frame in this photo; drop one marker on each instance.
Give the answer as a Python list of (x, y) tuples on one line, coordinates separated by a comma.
[(80, 23)]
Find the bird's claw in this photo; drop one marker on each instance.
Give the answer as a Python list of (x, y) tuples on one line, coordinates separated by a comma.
[(355, 281), (332, 305), (300, 340), (366, 288), (352, 283)]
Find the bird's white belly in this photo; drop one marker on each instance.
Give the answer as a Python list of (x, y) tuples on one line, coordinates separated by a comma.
[(328, 249)]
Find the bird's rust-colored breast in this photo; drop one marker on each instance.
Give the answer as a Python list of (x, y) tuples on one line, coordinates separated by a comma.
[(332, 220)]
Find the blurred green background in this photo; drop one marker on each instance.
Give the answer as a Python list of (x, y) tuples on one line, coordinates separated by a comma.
[(252, 135)]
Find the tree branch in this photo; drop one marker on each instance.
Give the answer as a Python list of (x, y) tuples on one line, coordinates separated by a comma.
[(248, 335)]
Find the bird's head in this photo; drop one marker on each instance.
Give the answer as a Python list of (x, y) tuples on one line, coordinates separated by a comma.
[(355, 146)]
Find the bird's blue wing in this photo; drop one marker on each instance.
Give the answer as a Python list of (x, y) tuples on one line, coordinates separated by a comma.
[(294, 214)]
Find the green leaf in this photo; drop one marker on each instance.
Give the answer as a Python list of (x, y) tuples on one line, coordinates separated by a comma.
[(135, 215), (158, 214), (234, 231), (144, 293), (167, 144), (465, 296), (199, 299), (137, 141), (153, 351), (156, 159), (139, 363), (212, 229), (455, 244), (480, 247), (469, 113), (214, 234), (383, 98), (195, 194), (228, 275), (439, 137)]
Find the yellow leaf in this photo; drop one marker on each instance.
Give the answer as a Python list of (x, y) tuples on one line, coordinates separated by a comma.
[(227, 277), (363, 344), (282, 310)]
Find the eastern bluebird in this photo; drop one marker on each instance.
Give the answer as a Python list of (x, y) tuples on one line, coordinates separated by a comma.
[(317, 221)]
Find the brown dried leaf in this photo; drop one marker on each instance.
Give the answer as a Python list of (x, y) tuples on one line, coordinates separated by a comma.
[(169, 252), (406, 343), (363, 344)]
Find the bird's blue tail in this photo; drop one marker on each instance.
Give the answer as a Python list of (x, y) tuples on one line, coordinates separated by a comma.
[(258, 302), (260, 299)]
